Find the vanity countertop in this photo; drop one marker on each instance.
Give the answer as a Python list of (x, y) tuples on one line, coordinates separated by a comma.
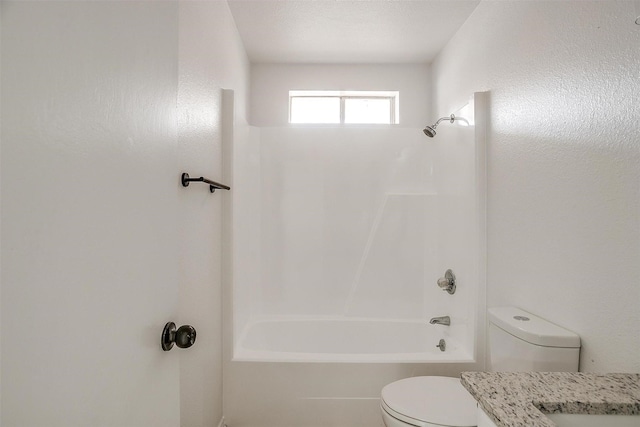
[(515, 399)]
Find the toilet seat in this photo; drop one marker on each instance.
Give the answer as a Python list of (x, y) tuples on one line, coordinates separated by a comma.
[(429, 401)]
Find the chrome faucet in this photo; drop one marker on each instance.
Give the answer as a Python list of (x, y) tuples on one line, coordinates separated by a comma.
[(442, 320)]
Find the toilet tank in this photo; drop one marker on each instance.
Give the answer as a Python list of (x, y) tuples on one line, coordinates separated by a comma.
[(521, 341)]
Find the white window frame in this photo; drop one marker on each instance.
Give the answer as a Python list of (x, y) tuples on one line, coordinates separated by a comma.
[(392, 96)]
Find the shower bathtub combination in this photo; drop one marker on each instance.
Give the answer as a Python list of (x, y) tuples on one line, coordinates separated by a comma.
[(339, 238)]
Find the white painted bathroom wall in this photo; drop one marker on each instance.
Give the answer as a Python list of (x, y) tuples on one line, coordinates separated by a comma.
[(271, 83), (211, 58), (563, 163)]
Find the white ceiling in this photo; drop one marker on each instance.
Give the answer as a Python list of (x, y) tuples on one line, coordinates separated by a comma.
[(343, 31)]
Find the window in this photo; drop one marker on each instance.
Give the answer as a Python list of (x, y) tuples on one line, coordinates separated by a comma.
[(350, 107)]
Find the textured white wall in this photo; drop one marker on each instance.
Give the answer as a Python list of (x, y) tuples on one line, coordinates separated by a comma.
[(271, 83), (211, 57), (563, 163)]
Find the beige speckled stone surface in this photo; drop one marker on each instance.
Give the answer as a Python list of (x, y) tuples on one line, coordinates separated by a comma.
[(515, 399)]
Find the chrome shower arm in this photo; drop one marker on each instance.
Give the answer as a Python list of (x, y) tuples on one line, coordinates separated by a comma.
[(451, 119), (430, 131)]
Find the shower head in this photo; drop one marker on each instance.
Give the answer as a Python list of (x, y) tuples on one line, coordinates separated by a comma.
[(430, 131)]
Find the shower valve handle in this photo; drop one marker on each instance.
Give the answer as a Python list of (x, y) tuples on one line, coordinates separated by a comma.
[(448, 282)]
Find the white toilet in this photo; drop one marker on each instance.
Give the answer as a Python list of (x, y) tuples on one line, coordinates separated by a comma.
[(518, 341)]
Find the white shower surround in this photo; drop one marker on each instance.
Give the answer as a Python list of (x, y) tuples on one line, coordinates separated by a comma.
[(354, 226), (287, 388)]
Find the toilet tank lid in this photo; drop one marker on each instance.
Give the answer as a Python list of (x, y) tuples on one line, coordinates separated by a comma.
[(532, 328)]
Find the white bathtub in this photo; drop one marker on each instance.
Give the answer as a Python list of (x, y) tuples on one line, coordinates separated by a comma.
[(350, 340)]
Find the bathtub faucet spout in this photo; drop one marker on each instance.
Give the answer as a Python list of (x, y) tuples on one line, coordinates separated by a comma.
[(442, 320)]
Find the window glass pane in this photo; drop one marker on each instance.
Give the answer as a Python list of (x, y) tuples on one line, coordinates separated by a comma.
[(367, 110), (315, 110)]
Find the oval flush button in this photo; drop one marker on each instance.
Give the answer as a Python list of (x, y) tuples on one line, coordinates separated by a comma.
[(522, 318)]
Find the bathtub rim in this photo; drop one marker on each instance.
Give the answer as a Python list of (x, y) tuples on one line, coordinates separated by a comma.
[(241, 354)]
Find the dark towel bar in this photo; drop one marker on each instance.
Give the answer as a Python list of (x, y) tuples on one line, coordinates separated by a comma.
[(212, 184)]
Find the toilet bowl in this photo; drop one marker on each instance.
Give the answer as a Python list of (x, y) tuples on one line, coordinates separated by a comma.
[(427, 402), (518, 341)]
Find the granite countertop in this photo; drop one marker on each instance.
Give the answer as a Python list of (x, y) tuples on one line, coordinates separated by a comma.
[(515, 399)]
